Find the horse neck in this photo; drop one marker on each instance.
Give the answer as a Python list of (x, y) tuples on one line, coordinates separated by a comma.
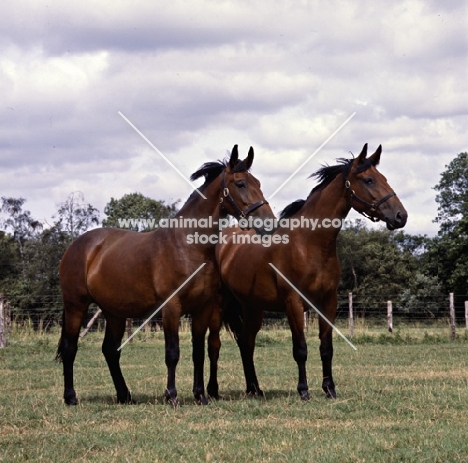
[(198, 207), (329, 203)]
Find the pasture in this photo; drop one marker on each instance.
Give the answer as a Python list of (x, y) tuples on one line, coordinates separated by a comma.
[(402, 397)]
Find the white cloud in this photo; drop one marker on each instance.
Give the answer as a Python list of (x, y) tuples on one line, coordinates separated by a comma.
[(198, 77)]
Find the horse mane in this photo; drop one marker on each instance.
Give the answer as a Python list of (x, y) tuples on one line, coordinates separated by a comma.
[(292, 208), (325, 175), (210, 170)]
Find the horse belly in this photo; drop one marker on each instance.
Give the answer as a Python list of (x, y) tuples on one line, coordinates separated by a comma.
[(123, 290)]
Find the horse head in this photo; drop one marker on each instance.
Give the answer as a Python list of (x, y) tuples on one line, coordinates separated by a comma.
[(239, 191), (370, 193)]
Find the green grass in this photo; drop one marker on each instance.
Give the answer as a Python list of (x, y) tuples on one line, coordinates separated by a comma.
[(403, 400)]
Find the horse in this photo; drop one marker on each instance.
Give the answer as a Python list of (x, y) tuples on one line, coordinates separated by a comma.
[(307, 257), (129, 274)]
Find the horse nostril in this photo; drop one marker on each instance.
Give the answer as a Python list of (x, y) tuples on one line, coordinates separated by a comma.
[(400, 218)]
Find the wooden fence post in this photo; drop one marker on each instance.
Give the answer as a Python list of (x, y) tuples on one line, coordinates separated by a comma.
[(129, 329), (452, 317), (351, 316), (390, 316), (2, 324), (466, 314)]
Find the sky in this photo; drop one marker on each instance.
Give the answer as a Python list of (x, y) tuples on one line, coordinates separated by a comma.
[(197, 77)]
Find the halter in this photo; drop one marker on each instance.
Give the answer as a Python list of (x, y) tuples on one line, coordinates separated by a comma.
[(372, 206), (227, 195)]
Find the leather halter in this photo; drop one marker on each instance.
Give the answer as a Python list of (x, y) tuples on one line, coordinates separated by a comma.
[(372, 206), (226, 195)]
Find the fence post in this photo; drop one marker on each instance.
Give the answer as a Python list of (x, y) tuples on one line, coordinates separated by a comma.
[(390, 316), (452, 317), (129, 329), (466, 314), (2, 324), (351, 316), (7, 317)]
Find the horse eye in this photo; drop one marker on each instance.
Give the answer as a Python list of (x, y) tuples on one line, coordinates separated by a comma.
[(369, 181), (240, 184)]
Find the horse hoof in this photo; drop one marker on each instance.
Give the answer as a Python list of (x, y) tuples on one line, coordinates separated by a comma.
[(127, 401), (304, 396), (202, 400), (213, 393), (172, 399), (330, 393), (255, 393), (174, 403), (71, 401)]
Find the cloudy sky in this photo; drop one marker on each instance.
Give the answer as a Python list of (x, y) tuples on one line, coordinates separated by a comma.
[(197, 77)]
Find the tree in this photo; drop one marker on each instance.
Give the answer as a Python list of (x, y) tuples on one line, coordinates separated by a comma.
[(452, 196), (380, 263), (75, 216), (30, 255), (19, 223), (128, 212), (450, 248), (9, 268)]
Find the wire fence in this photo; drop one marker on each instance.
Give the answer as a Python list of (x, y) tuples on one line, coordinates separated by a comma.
[(45, 313)]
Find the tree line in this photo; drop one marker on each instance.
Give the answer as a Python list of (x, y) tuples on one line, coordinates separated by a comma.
[(418, 270)]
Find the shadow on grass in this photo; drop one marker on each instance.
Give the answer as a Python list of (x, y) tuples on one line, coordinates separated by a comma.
[(187, 400)]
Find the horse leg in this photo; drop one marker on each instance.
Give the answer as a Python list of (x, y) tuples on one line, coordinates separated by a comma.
[(295, 313), (73, 316), (199, 326), (115, 328), (246, 342), (326, 349), (170, 321), (214, 346)]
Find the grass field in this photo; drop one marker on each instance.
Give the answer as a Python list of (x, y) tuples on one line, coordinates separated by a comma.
[(401, 398)]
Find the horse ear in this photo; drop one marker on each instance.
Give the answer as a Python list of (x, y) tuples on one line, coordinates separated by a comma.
[(234, 157), (363, 154), (375, 158), (249, 159)]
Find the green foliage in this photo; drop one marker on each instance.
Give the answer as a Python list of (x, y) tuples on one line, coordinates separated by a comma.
[(30, 256), (450, 249), (19, 223), (8, 256), (423, 298), (452, 196), (395, 264), (136, 206)]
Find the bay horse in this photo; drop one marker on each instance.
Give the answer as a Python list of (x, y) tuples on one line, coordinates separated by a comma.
[(129, 274), (308, 258)]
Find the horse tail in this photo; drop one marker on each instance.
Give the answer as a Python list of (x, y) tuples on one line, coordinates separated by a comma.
[(58, 355), (232, 314)]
